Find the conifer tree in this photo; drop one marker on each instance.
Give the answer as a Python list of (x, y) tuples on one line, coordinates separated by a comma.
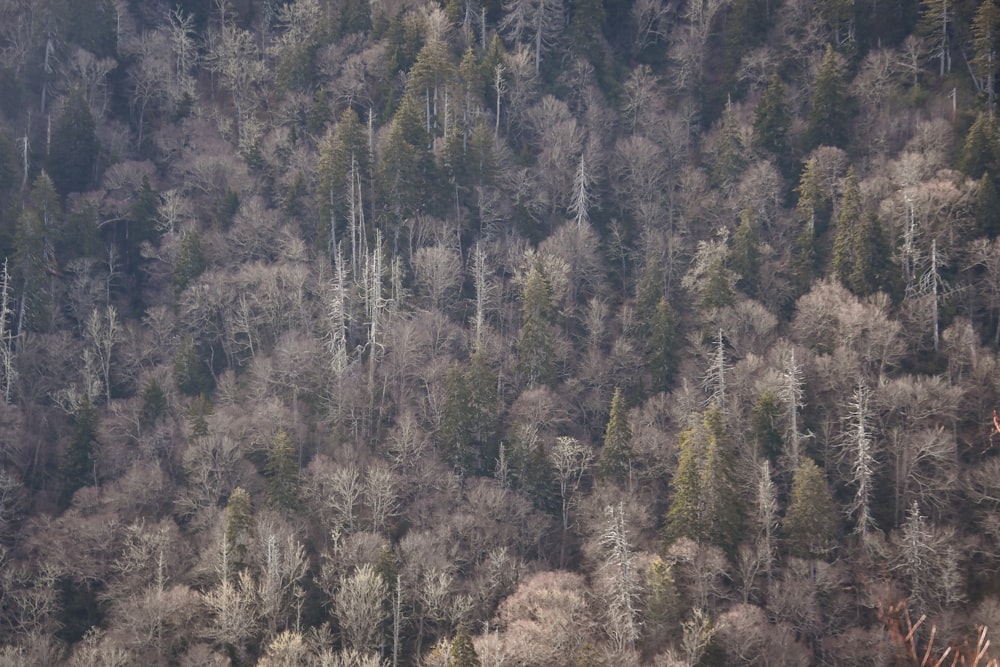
[(616, 455), (74, 146), (936, 18), (705, 506), (462, 652), (240, 529), (534, 349), (987, 207), (343, 176), (981, 149), (985, 43), (811, 521), (829, 106), (772, 120), (744, 256), (764, 420), (661, 358), (282, 473), (845, 244), (154, 403), (77, 466), (730, 153), (190, 262), (468, 422)]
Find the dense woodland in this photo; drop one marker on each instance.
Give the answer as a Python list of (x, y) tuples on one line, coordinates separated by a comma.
[(499, 332)]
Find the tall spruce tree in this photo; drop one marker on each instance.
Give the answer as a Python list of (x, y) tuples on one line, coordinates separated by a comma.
[(845, 243), (615, 462), (74, 146), (772, 120), (829, 106), (811, 521), (535, 359), (282, 473), (77, 466), (744, 254)]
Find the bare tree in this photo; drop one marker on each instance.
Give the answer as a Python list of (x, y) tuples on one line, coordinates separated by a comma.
[(570, 460), (622, 582), (360, 607)]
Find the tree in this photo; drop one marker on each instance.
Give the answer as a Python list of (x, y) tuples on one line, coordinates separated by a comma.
[(282, 473), (811, 520), (463, 653), (744, 256), (705, 506), (360, 608), (847, 241), (772, 120), (616, 456), (468, 419), (730, 153), (78, 467), (534, 349), (39, 228), (661, 356), (985, 43), (74, 146), (621, 582), (829, 106), (570, 460), (765, 424), (190, 262), (935, 24), (860, 446), (981, 149), (539, 23), (240, 531)]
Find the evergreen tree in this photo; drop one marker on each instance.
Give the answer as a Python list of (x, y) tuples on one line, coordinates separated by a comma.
[(981, 148), (705, 506), (463, 653), (77, 467), (829, 107), (407, 173), (240, 531), (765, 419), (730, 153), (190, 262), (661, 358), (74, 146), (772, 120), (744, 256), (985, 43), (39, 226), (534, 349), (811, 521), (343, 176), (846, 241), (468, 422), (198, 413), (987, 207), (869, 252), (615, 463), (662, 612), (154, 404), (935, 25), (192, 374), (282, 473)]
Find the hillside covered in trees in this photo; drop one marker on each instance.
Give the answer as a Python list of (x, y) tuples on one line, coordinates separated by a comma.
[(499, 332)]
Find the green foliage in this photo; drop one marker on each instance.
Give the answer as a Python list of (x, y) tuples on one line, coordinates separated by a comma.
[(661, 617), (985, 43), (772, 119), (407, 174), (343, 174), (154, 404), (765, 419), (39, 227), (730, 153), (281, 472), (615, 463), (463, 653), (981, 149), (811, 522), (534, 349), (74, 146), (705, 506), (198, 413), (829, 107), (240, 530), (663, 341), (77, 466), (744, 255), (191, 372), (190, 262), (859, 250), (468, 422), (987, 207)]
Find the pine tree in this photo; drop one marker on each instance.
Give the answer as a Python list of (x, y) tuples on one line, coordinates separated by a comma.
[(407, 172), (282, 473), (936, 17), (77, 466), (744, 256), (730, 153), (663, 605), (343, 176), (981, 149), (463, 653), (468, 423), (240, 529), (845, 244), (190, 262), (987, 207), (534, 349), (811, 521), (154, 403), (772, 120), (765, 419), (829, 107), (74, 146), (705, 506), (869, 253), (661, 358), (38, 227), (615, 463), (985, 43)]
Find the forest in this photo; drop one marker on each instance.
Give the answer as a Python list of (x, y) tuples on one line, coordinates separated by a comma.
[(454, 333)]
